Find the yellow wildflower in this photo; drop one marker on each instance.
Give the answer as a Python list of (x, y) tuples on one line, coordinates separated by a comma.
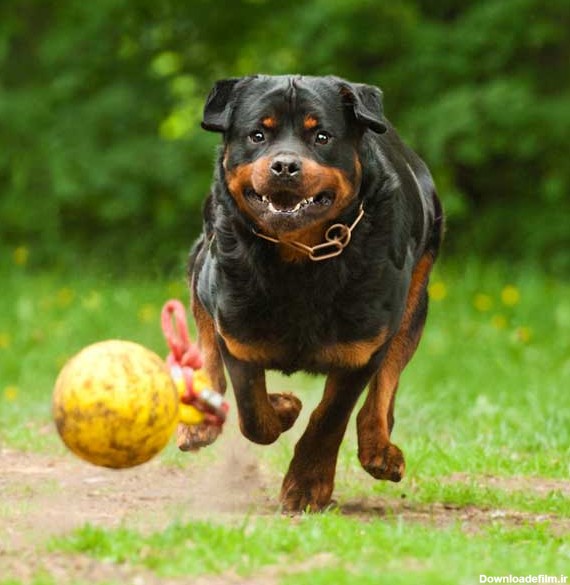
[(483, 302), (510, 296), (437, 291), (147, 313), (11, 393), (65, 297), (21, 255)]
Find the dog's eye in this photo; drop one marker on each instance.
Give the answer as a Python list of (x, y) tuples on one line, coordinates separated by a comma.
[(257, 136), (322, 137)]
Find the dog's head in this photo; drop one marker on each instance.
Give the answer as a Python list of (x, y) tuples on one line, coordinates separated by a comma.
[(291, 146)]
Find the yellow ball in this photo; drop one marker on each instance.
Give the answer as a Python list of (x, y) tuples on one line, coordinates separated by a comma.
[(115, 404)]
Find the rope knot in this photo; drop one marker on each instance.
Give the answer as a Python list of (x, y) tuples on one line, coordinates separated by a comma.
[(185, 362)]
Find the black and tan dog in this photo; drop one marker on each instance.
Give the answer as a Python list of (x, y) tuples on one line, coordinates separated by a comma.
[(319, 236)]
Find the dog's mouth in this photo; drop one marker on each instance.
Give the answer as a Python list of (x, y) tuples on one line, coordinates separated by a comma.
[(288, 202)]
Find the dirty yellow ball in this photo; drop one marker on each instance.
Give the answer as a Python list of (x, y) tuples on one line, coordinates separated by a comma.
[(115, 404)]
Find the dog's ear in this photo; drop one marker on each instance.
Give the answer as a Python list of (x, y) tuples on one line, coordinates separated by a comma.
[(366, 102), (218, 108)]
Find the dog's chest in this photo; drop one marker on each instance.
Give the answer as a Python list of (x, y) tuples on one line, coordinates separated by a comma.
[(312, 324), (308, 352)]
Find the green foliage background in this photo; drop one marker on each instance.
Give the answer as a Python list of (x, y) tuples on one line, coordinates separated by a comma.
[(101, 154)]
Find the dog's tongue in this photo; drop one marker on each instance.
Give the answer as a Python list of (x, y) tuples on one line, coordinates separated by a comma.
[(284, 201)]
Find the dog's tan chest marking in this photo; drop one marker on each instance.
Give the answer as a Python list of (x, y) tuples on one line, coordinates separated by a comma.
[(352, 354)]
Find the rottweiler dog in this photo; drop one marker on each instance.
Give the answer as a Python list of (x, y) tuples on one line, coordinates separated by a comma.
[(319, 236)]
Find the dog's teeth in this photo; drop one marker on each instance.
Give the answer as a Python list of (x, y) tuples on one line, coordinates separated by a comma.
[(274, 209)]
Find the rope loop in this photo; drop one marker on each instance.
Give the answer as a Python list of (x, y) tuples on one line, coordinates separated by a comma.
[(184, 361)]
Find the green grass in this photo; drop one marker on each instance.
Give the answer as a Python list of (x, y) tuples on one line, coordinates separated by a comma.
[(326, 549), (348, 549), (486, 394), (46, 318), (471, 494)]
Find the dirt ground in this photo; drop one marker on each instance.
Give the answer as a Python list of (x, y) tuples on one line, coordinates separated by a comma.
[(44, 496)]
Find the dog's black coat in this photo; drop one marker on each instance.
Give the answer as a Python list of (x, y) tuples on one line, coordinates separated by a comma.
[(301, 154), (242, 281)]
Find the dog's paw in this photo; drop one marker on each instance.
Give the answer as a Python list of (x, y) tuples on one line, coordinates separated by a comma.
[(388, 463), (308, 493), (192, 438), (287, 407)]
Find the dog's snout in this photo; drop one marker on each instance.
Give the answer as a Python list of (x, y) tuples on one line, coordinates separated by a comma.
[(286, 166)]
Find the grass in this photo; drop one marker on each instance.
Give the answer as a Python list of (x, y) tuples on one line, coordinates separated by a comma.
[(46, 318), (486, 394), (361, 551)]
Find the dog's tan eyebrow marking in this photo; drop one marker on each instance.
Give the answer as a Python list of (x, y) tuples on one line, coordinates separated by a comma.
[(310, 122), (269, 122)]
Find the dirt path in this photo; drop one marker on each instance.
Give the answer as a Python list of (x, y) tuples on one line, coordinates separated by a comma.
[(44, 496)]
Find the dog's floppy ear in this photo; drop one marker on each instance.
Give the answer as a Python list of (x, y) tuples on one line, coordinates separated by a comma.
[(366, 101), (218, 108)]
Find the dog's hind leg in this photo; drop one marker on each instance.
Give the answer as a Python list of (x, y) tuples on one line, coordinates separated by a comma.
[(378, 456)]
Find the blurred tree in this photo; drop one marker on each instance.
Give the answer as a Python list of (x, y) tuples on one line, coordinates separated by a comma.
[(100, 146)]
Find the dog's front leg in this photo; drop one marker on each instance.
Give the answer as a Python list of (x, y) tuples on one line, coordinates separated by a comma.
[(262, 416), (309, 482)]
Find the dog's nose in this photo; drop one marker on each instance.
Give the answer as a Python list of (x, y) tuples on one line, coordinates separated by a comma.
[(286, 166)]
